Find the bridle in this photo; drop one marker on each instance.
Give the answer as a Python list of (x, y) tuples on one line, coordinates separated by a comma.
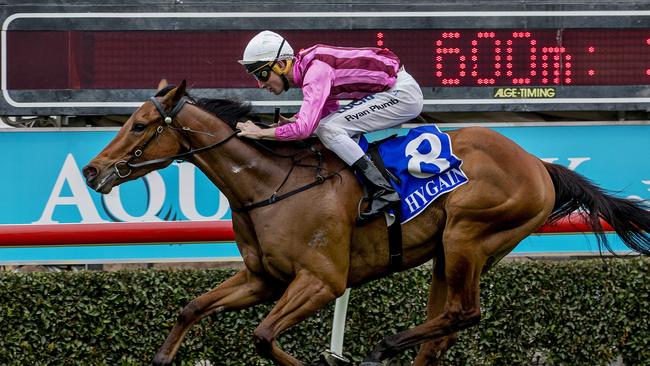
[(167, 122)]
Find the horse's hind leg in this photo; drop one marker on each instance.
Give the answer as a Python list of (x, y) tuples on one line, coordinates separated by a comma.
[(467, 247), (464, 262), (238, 292), (305, 296), (431, 351)]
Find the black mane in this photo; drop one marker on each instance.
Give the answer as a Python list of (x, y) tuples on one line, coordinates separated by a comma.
[(230, 111)]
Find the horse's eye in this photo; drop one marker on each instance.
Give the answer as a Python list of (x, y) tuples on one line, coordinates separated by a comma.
[(138, 127)]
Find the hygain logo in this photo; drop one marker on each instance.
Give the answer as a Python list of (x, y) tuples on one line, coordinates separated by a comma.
[(419, 153)]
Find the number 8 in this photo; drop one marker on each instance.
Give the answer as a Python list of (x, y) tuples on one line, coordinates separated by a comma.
[(432, 157)]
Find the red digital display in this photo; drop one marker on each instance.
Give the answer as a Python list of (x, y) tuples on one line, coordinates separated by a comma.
[(541, 57), (436, 58)]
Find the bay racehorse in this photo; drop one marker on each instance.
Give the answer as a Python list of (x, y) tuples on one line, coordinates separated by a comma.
[(294, 209)]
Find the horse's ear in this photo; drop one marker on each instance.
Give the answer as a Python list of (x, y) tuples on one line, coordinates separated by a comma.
[(174, 95), (180, 92), (162, 83), (181, 89)]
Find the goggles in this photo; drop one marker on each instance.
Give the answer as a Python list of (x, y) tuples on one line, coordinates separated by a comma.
[(262, 73)]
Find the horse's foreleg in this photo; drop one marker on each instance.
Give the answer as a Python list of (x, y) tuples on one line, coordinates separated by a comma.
[(305, 296), (431, 351), (461, 310), (238, 292)]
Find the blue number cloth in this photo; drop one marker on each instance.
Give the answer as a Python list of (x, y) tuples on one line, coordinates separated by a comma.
[(425, 165)]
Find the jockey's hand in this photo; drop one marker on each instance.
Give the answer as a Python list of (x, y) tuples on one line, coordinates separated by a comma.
[(284, 120), (250, 130)]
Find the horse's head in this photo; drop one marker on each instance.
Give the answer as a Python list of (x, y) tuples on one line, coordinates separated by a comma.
[(146, 136)]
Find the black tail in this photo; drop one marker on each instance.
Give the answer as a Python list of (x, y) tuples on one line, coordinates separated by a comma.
[(628, 218)]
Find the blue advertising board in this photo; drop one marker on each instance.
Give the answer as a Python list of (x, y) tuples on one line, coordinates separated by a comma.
[(42, 184)]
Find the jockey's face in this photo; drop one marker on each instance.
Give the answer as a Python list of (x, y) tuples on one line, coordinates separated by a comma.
[(274, 84)]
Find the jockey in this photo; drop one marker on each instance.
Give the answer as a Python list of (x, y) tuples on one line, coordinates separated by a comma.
[(383, 93)]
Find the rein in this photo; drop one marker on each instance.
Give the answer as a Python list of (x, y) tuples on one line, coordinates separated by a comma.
[(320, 179), (169, 118), (183, 155)]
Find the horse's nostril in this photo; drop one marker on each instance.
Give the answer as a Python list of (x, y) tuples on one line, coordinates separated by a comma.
[(89, 172)]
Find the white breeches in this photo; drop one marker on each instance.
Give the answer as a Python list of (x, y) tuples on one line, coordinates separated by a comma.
[(393, 107)]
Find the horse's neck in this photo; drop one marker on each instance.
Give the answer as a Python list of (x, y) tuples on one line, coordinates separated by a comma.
[(241, 172)]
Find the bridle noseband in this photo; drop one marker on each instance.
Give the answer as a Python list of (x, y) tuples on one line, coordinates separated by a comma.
[(167, 121)]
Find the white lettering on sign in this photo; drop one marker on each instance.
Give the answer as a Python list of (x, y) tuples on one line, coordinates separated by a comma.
[(155, 200), (573, 162), (156, 194), (80, 197), (187, 195)]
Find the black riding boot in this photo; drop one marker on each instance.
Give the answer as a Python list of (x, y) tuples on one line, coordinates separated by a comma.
[(380, 192)]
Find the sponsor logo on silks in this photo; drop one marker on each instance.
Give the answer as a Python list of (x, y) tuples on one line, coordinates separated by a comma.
[(425, 165), (355, 103), (370, 109), (524, 93)]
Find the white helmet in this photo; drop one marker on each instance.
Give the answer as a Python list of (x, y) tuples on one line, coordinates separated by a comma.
[(266, 46)]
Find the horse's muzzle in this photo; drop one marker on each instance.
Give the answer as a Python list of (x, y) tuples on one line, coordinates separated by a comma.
[(90, 174)]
